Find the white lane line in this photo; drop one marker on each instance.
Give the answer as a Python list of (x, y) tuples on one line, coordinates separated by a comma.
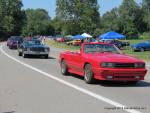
[(97, 96)]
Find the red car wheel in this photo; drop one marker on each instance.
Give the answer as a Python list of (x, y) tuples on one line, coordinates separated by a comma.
[(64, 69), (88, 74)]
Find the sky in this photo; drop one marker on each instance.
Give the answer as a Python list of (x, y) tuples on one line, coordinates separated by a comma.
[(50, 5)]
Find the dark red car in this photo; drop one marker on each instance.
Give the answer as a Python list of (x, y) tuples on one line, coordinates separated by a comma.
[(102, 61), (60, 39), (14, 41)]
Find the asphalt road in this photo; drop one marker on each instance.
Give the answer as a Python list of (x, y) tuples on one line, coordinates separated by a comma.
[(35, 85)]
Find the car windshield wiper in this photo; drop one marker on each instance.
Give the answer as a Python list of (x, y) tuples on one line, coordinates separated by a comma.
[(109, 52)]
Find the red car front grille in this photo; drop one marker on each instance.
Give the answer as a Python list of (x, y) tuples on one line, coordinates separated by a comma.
[(37, 49), (128, 77)]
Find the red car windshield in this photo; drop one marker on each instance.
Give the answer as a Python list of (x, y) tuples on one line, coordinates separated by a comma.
[(101, 48)]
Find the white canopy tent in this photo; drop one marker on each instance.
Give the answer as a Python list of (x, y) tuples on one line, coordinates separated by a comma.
[(86, 35)]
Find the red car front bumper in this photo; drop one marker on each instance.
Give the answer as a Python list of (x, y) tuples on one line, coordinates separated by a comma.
[(119, 74)]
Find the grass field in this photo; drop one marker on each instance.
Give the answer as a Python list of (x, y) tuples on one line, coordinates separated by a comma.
[(61, 45), (127, 50)]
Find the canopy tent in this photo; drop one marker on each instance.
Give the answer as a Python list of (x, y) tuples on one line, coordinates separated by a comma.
[(86, 35), (111, 35), (77, 37)]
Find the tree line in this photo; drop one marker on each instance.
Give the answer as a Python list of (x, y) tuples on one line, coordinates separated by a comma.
[(75, 17)]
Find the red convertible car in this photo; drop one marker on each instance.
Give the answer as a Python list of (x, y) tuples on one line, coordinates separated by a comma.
[(102, 61)]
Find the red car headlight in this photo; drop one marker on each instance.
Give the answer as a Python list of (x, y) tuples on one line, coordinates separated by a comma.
[(139, 65), (107, 65)]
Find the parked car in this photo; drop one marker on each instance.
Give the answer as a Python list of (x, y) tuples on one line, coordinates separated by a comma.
[(75, 42), (33, 47), (60, 39), (102, 61), (118, 43), (143, 46), (125, 43), (14, 41), (67, 39)]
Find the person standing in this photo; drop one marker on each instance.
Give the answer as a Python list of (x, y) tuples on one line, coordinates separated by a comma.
[(43, 40)]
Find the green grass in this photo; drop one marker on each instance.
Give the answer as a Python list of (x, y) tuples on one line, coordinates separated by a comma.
[(127, 50), (135, 41), (141, 55), (62, 45)]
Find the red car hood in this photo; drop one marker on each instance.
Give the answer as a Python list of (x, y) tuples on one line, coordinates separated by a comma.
[(110, 57)]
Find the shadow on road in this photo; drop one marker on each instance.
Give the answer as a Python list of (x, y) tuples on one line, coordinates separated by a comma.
[(76, 76), (114, 83), (143, 84), (39, 57), (10, 112)]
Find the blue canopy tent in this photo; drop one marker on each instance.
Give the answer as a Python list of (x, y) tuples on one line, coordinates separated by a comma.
[(77, 37), (111, 35)]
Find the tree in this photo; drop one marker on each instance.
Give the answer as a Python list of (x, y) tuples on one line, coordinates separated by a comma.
[(146, 5), (37, 23), (82, 14), (110, 20), (12, 17), (128, 14), (57, 24), (146, 12)]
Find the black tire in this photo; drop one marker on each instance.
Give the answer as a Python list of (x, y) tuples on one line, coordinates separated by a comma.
[(141, 49), (88, 74), (10, 47), (20, 54), (64, 68)]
